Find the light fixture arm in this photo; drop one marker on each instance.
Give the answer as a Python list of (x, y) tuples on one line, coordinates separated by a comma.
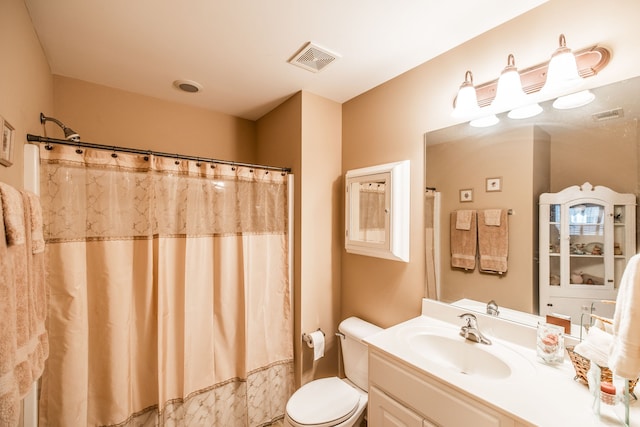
[(69, 134)]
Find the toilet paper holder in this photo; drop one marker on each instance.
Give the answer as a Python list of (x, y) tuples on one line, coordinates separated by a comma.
[(307, 338)]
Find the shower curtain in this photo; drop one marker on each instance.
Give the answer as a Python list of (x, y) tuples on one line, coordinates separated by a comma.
[(170, 291), (432, 244)]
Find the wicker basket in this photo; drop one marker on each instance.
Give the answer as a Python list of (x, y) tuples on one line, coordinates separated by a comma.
[(582, 365)]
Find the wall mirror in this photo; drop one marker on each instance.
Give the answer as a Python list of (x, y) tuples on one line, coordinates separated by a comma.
[(596, 143), (377, 211)]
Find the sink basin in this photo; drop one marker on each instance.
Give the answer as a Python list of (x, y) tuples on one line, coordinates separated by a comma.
[(462, 355), (448, 349)]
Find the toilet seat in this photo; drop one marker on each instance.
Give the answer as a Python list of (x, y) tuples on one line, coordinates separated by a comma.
[(323, 403)]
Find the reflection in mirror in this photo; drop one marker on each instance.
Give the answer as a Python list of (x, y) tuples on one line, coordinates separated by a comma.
[(371, 204), (596, 143)]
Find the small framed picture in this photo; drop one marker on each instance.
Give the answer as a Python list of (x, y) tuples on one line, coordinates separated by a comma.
[(494, 184), (6, 143), (466, 195)]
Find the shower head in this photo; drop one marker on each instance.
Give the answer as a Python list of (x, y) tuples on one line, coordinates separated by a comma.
[(69, 134)]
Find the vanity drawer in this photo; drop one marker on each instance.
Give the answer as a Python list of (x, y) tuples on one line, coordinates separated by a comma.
[(435, 401)]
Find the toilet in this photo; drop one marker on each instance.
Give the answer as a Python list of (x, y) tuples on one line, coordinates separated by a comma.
[(333, 401)]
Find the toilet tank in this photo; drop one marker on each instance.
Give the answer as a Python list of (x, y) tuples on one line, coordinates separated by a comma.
[(354, 351)]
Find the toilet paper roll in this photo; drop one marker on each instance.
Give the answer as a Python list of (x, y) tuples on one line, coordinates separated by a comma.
[(316, 341)]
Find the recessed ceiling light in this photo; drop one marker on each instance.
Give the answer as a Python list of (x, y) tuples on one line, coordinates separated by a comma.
[(188, 86)]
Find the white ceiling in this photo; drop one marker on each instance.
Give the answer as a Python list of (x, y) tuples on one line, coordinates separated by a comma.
[(238, 50)]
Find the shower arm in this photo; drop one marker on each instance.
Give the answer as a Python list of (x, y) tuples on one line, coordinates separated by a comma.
[(69, 134)]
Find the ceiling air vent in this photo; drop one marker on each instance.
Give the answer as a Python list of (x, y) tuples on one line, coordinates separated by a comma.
[(313, 58), (616, 113)]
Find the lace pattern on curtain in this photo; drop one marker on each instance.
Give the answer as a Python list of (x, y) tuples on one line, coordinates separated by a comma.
[(170, 300)]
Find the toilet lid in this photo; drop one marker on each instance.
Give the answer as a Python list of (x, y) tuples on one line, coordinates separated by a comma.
[(327, 400)]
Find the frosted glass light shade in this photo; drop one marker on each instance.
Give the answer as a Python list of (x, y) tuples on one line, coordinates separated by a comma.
[(525, 112), (574, 100), (562, 71), (509, 93), (484, 122), (467, 99)]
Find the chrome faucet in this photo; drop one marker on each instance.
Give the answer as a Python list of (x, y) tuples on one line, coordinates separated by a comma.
[(492, 308), (470, 330)]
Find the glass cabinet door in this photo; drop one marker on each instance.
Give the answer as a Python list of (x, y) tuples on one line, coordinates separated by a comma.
[(555, 221), (619, 242), (587, 231)]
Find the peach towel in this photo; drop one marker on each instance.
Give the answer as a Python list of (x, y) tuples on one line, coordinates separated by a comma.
[(492, 216), (37, 232), (13, 214), (463, 242), (493, 241), (24, 344), (463, 219)]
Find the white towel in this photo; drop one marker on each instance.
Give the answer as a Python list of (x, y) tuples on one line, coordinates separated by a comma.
[(624, 356), (595, 346), (463, 219)]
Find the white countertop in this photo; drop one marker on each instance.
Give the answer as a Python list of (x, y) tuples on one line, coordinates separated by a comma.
[(536, 393)]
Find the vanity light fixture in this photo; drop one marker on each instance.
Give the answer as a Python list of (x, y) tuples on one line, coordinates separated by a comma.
[(538, 83)]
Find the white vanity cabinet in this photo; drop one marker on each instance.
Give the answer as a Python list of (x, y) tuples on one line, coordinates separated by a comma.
[(402, 396), (587, 235)]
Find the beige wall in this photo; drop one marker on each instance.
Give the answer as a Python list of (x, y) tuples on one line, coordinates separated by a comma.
[(279, 135), (388, 123), (321, 233), (26, 85), (602, 156), (305, 132), (110, 116)]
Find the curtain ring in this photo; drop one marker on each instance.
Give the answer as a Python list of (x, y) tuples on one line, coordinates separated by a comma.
[(48, 147), (177, 162), (198, 162), (114, 154)]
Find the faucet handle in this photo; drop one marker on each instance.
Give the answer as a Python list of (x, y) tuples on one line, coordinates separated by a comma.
[(492, 308), (469, 318)]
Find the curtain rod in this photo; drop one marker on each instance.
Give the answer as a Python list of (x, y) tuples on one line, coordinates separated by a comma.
[(36, 138)]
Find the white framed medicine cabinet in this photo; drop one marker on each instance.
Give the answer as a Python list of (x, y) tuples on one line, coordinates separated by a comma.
[(377, 208)]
